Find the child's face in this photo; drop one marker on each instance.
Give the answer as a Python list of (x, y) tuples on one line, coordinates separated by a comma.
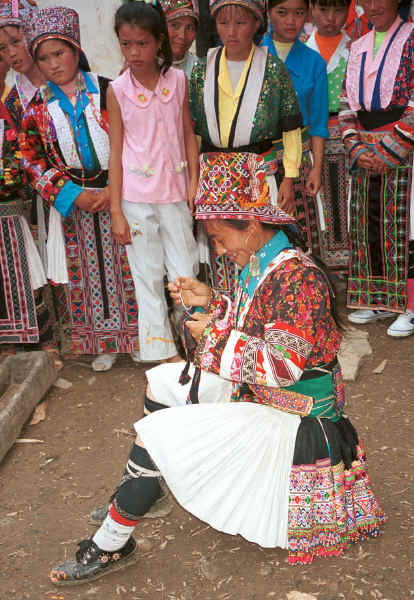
[(139, 48), (329, 20), (288, 19), (57, 61), (181, 32), (236, 27), (13, 49)]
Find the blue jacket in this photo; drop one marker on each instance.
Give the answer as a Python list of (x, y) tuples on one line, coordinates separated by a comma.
[(307, 70)]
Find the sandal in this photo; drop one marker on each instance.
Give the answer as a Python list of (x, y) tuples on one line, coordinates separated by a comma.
[(104, 362)]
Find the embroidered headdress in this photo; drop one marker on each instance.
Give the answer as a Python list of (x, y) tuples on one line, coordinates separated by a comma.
[(174, 9), (13, 11), (258, 7), (234, 186), (56, 22)]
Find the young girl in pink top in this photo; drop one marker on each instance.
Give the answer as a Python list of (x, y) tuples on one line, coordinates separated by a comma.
[(153, 170)]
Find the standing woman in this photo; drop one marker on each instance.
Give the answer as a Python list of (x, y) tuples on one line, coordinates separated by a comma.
[(377, 121), (182, 19), (26, 316), (308, 72), (241, 100), (65, 145), (332, 43)]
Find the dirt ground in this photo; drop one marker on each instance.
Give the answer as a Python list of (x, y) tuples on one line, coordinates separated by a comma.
[(47, 491)]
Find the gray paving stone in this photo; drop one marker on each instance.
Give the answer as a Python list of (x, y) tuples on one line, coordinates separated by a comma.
[(354, 347)]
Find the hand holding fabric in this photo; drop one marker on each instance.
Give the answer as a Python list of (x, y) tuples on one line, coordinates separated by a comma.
[(190, 291), (197, 326)]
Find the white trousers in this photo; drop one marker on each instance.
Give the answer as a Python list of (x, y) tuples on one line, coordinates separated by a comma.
[(162, 243)]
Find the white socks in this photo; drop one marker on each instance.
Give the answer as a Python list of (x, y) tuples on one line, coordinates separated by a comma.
[(111, 535)]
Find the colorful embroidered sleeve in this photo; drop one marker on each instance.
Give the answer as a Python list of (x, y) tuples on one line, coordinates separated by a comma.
[(282, 333), (219, 304), (47, 180), (348, 122)]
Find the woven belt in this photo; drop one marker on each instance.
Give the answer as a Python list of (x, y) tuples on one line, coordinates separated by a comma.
[(14, 209)]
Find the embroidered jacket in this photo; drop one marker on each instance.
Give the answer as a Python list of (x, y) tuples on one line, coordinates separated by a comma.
[(267, 107), (16, 102), (266, 340), (12, 177), (336, 68), (307, 70), (19, 98), (391, 103), (66, 148)]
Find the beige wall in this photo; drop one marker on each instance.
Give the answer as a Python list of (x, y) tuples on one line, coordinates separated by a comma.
[(97, 36)]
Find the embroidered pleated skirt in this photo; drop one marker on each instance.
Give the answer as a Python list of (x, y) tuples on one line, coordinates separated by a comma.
[(21, 273), (250, 469)]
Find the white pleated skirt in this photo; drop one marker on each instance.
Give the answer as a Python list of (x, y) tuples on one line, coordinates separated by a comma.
[(227, 463)]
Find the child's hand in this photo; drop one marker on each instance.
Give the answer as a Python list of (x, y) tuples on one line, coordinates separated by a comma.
[(190, 291), (286, 196), (192, 191), (313, 182), (120, 229)]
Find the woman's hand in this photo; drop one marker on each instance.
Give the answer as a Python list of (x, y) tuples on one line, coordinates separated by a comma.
[(102, 200), (286, 196), (191, 291), (378, 166), (120, 229), (313, 182), (364, 161), (372, 162), (198, 325), (87, 200)]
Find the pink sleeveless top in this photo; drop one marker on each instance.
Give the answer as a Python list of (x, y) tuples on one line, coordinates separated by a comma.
[(153, 155)]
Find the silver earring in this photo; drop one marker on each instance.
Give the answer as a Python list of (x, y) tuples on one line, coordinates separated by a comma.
[(254, 265), (254, 262)]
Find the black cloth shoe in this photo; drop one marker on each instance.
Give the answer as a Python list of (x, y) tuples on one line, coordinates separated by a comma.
[(92, 563)]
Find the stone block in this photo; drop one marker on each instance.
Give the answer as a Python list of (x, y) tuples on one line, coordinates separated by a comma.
[(354, 346), (24, 380)]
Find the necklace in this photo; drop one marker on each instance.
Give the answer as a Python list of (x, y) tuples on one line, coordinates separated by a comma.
[(51, 145)]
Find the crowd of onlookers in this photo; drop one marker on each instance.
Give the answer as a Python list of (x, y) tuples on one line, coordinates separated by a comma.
[(85, 261)]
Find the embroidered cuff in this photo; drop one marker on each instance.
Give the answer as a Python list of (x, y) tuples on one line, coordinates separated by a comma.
[(354, 153), (65, 200)]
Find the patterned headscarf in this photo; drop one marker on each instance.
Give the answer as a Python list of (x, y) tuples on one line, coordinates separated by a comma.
[(13, 11), (174, 9), (234, 186), (258, 7), (56, 22)]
